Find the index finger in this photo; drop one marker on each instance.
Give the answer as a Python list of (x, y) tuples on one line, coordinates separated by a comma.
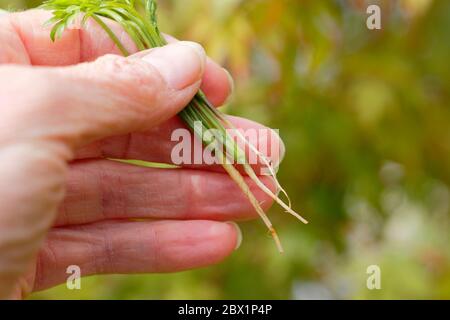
[(25, 40), (28, 41)]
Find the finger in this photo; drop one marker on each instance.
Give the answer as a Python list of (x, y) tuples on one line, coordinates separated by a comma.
[(133, 247), (100, 189), (111, 96), (156, 145), (28, 41), (218, 84), (31, 185), (25, 40)]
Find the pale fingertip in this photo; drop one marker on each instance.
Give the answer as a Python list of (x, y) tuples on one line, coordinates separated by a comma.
[(281, 148), (197, 48), (231, 86), (239, 236), (181, 64)]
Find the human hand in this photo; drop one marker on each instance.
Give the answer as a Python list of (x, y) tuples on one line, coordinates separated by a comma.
[(64, 111)]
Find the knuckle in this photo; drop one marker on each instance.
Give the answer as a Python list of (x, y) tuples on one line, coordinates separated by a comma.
[(130, 77), (47, 257), (47, 188), (108, 254), (156, 253), (194, 193), (130, 72)]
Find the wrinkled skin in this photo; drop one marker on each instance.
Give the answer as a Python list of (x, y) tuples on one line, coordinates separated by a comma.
[(65, 107)]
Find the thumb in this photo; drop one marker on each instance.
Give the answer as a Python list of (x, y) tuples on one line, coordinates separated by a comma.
[(110, 96), (73, 106)]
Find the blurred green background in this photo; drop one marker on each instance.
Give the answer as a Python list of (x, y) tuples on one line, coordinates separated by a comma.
[(366, 121)]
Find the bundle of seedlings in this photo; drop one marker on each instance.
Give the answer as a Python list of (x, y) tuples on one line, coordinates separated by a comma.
[(139, 21)]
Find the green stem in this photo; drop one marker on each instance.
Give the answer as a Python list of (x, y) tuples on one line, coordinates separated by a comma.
[(112, 35)]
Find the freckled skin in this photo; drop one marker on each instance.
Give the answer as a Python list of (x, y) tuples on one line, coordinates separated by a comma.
[(65, 107)]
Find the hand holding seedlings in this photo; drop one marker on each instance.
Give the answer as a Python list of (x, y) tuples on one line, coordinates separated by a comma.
[(67, 106), (199, 114)]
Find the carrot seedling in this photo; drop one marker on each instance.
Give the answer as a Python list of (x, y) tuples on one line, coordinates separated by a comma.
[(139, 20)]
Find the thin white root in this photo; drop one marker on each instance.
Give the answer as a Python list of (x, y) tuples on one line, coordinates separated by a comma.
[(248, 169), (263, 158), (237, 177)]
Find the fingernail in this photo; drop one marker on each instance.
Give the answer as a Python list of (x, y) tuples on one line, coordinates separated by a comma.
[(181, 64), (231, 86), (239, 234), (282, 150)]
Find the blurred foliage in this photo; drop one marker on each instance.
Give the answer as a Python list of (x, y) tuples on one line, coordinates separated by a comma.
[(366, 121)]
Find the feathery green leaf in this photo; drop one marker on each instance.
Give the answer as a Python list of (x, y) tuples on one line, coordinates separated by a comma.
[(143, 30)]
